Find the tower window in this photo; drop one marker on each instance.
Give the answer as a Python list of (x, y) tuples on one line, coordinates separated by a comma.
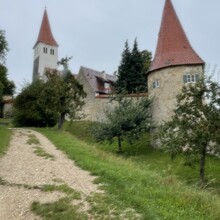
[(52, 51), (156, 84), (190, 78), (45, 50)]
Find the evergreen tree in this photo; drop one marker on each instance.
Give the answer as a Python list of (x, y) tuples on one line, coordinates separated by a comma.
[(132, 70), (127, 121), (123, 70)]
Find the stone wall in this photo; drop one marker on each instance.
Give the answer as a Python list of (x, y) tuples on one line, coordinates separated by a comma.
[(170, 84)]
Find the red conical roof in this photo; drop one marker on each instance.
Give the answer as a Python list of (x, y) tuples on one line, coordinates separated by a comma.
[(173, 47), (45, 34)]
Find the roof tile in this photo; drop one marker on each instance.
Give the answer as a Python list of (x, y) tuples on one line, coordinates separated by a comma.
[(45, 34), (173, 46)]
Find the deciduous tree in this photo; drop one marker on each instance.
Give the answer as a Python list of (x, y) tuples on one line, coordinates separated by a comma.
[(194, 129)]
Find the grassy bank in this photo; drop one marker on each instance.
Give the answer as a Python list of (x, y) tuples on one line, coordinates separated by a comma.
[(145, 156), (4, 135), (130, 183)]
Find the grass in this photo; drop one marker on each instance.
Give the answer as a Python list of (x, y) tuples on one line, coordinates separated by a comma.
[(61, 209), (39, 151), (62, 188), (145, 156), (5, 134), (32, 139), (149, 188)]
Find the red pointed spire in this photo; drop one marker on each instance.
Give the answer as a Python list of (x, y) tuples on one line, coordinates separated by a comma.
[(45, 34), (173, 47)]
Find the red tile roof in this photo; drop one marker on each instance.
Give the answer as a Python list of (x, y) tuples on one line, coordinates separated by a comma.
[(173, 47), (45, 34)]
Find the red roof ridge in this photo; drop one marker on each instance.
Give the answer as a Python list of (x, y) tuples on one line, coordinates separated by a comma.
[(173, 46), (45, 33)]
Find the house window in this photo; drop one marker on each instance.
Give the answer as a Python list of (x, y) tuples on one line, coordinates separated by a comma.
[(52, 51), (156, 84), (45, 50), (190, 78), (106, 85)]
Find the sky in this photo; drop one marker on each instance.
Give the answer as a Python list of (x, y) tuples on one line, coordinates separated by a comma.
[(93, 32)]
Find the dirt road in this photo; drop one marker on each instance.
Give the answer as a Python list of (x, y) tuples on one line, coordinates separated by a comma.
[(31, 162)]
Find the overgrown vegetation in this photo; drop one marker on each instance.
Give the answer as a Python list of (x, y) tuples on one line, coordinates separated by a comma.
[(152, 192), (194, 129)]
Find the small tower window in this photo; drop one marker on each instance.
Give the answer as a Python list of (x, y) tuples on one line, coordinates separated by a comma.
[(45, 50), (52, 51), (156, 84), (190, 78)]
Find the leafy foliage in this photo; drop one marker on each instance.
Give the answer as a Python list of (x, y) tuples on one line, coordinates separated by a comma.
[(132, 70), (42, 103), (66, 95), (7, 87), (195, 126), (30, 111), (129, 119), (3, 46)]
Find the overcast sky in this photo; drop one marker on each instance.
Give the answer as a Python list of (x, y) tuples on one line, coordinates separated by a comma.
[(94, 31)]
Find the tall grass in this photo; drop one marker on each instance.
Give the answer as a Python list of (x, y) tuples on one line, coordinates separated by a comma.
[(145, 156), (128, 184), (4, 135)]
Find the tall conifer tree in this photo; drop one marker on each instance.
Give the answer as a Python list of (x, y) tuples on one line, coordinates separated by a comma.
[(132, 70), (123, 70)]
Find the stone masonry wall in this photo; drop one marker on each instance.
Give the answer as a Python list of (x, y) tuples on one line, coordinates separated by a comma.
[(170, 84)]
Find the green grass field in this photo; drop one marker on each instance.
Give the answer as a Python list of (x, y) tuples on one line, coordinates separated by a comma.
[(144, 155), (4, 135), (143, 180)]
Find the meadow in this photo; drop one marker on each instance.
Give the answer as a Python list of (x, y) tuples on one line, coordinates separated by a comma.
[(142, 183)]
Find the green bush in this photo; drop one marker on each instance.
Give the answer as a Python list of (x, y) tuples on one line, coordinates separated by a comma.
[(29, 111)]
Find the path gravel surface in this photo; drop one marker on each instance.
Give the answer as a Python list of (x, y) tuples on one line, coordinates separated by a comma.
[(22, 171)]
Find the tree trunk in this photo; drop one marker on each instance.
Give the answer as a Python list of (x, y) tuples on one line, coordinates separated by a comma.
[(119, 145), (202, 165), (61, 120)]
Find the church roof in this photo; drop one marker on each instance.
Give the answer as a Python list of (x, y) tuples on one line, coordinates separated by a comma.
[(173, 46), (45, 34)]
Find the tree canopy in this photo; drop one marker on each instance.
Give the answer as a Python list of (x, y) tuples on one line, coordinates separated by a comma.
[(132, 70), (3, 47), (126, 121), (44, 103), (194, 129), (7, 87), (67, 95), (29, 111)]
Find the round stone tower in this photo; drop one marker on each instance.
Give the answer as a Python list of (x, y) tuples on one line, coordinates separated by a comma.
[(175, 63)]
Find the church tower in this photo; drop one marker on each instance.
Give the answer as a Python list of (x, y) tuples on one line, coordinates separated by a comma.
[(45, 50), (175, 64)]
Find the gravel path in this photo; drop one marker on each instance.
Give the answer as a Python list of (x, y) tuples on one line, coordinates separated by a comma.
[(21, 170)]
